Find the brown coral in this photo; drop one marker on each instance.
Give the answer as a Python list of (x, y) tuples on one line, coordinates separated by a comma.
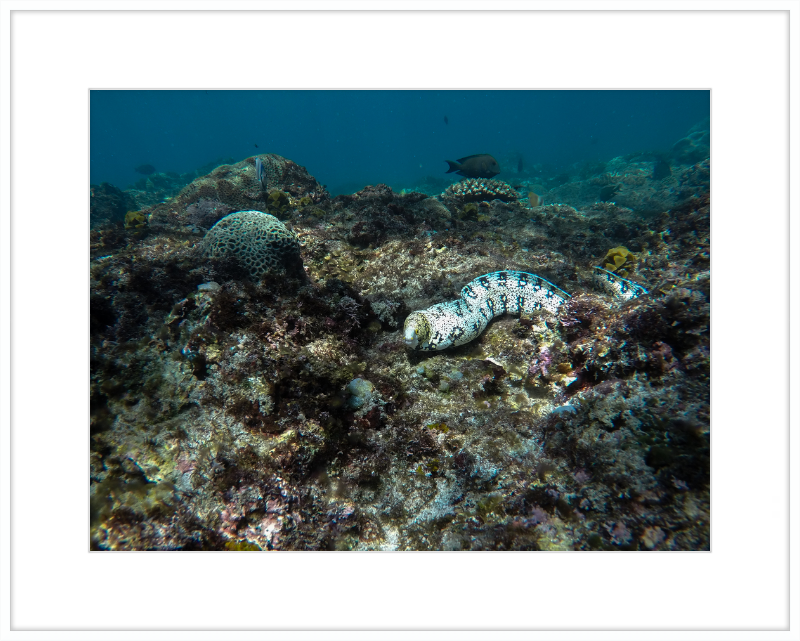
[(479, 190), (257, 240)]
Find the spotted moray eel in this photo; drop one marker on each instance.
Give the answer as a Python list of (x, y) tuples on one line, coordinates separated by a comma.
[(461, 321)]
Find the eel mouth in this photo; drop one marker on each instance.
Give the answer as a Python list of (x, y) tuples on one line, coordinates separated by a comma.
[(410, 337), (416, 331)]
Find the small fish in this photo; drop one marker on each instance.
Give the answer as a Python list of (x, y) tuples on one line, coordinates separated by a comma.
[(519, 165), (534, 199), (261, 174), (145, 169), (661, 169), (256, 146), (446, 121), (609, 191), (476, 166)]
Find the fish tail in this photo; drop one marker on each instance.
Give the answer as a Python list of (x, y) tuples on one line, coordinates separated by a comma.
[(454, 166)]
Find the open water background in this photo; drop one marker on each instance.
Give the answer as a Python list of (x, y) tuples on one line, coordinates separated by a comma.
[(348, 139)]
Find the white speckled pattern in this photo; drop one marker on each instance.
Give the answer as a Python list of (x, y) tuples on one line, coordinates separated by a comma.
[(460, 321), (616, 285)]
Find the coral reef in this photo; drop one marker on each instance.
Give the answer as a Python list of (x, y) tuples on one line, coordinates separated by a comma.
[(235, 187), (478, 189), (258, 242), (158, 187), (278, 202), (647, 183), (108, 204), (238, 413), (206, 212), (694, 148)]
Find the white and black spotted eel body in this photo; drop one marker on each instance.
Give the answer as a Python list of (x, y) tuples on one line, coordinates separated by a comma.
[(460, 321), (617, 286)]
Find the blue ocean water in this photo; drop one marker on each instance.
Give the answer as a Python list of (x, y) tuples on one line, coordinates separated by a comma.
[(348, 139)]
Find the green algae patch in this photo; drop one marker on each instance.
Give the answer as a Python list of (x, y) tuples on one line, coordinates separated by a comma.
[(618, 260), (135, 220), (470, 212), (241, 546), (491, 504), (595, 541), (279, 202), (441, 427)]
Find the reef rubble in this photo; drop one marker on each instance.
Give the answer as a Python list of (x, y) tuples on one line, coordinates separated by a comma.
[(286, 412)]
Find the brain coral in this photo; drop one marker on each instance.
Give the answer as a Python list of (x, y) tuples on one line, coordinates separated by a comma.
[(260, 242)]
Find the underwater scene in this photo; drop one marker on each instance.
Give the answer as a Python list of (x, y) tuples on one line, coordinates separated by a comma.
[(400, 320)]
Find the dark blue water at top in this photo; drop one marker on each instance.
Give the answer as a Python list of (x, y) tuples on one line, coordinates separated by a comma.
[(348, 139)]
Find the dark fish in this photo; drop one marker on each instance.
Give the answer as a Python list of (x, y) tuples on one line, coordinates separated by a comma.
[(446, 121), (477, 166), (256, 146), (519, 165), (145, 169), (609, 191), (661, 169)]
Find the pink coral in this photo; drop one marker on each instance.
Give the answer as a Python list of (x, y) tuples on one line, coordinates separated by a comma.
[(541, 363)]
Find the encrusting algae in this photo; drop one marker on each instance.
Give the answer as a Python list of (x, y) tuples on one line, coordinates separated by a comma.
[(237, 404)]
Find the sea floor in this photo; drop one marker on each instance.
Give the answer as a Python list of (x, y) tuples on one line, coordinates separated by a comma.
[(224, 415)]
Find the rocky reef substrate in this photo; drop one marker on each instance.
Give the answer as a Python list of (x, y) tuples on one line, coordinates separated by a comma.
[(287, 414)]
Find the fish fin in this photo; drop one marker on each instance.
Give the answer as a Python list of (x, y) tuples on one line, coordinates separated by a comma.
[(472, 156), (453, 166)]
